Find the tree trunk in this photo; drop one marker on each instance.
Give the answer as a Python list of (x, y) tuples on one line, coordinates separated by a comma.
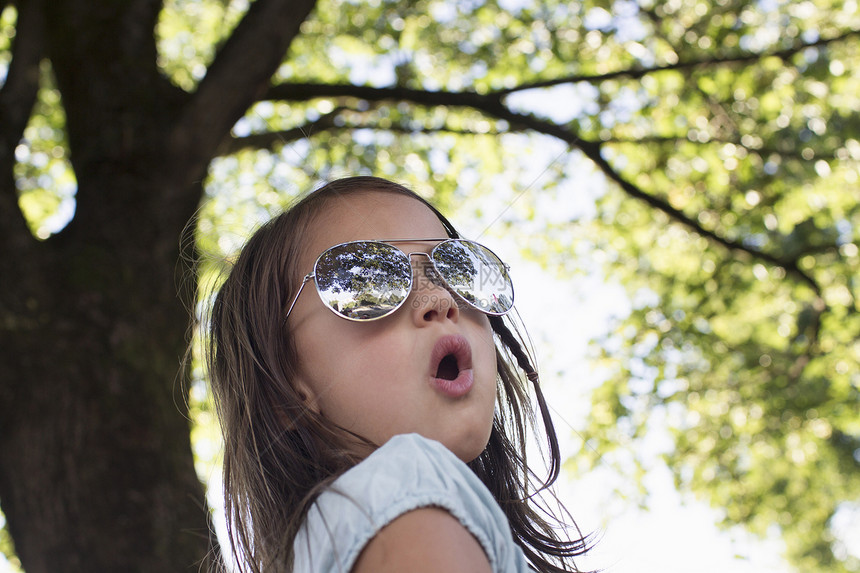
[(96, 469)]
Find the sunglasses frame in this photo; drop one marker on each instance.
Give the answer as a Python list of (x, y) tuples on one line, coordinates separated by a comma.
[(429, 256)]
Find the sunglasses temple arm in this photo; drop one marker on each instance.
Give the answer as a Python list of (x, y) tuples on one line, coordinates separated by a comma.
[(308, 277)]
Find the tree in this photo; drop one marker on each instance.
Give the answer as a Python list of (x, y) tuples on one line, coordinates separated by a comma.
[(728, 132)]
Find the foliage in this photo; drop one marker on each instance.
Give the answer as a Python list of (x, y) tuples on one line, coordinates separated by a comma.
[(7, 551), (728, 133), (746, 320), (44, 178)]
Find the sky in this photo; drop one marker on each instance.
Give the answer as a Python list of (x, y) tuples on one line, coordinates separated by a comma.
[(677, 533)]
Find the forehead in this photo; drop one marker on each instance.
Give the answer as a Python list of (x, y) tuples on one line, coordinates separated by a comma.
[(371, 215)]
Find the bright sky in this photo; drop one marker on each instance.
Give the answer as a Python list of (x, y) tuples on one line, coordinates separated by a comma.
[(676, 535)]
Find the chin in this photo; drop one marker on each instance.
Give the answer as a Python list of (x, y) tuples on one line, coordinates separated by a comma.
[(469, 447)]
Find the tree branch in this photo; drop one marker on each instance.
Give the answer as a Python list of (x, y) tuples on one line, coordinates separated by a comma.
[(636, 73), (241, 71), (330, 122), (763, 151), (491, 105), (303, 91), (17, 97), (817, 310), (269, 139)]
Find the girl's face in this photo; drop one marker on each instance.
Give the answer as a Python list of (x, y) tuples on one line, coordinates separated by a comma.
[(382, 378)]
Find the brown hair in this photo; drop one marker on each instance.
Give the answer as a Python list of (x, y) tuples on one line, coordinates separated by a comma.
[(279, 454)]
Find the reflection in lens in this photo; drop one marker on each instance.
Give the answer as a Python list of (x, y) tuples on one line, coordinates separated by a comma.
[(363, 280), (476, 274)]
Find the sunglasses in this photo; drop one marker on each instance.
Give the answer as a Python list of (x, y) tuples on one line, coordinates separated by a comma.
[(367, 280)]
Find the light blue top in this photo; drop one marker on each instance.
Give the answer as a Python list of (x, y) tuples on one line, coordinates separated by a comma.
[(406, 473)]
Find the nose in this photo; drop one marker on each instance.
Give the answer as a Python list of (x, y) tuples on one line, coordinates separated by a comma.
[(431, 299)]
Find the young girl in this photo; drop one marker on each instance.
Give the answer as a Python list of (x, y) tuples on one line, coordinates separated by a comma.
[(372, 415)]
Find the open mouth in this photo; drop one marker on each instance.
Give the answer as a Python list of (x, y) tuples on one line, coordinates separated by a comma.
[(451, 364), (448, 368)]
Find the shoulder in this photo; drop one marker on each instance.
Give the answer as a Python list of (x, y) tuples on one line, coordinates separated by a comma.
[(412, 495), (423, 540)]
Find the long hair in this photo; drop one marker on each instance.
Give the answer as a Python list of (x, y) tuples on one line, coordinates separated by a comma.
[(279, 454)]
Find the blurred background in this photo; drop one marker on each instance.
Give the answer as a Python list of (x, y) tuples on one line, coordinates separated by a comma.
[(674, 184)]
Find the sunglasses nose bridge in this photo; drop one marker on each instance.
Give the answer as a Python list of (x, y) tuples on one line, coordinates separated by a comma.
[(424, 268)]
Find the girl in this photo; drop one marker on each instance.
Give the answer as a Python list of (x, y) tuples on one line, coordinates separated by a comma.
[(372, 416)]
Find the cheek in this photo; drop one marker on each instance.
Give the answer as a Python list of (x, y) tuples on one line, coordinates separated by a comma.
[(484, 355), (486, 347), (316, 343), (344, 368)]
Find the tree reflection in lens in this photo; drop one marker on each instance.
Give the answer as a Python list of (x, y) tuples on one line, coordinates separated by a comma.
[(363, 280), (476, 274)]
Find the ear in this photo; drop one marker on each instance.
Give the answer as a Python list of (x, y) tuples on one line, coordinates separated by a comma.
[(306, 394), (289, 412)]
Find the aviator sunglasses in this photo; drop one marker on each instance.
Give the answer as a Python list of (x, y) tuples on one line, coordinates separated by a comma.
[(367, 280)]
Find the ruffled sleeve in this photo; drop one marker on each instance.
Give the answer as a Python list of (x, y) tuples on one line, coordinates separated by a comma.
[(408, 472)]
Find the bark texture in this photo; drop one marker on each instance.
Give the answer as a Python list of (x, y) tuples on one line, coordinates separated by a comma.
[(96, 470)]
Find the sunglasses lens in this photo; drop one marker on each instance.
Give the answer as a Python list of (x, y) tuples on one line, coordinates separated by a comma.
[(476, 274), (363, 280)]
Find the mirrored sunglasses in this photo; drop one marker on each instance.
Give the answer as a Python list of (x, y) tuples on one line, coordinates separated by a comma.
[(367, 280)]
